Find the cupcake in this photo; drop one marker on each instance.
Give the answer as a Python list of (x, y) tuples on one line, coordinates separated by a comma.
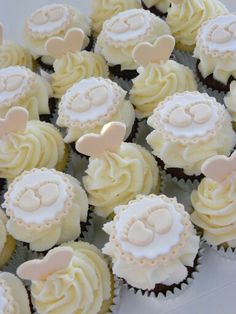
[(216, 52), (158, 7), (20, 86), (158, 76), (230, 102), (25, 145), (189, 128), (7, 243), (117, 171), (122, 33), (73, 278), (153, 245), (72, 65), (103, 10), (52, 20), (88, 105), (45, 208), (185, 17), (13, 295), (214, 202), (12, 54)]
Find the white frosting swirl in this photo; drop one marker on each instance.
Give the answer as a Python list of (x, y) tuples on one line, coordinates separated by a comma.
[(124, 31), (80, 288), (216, 48), (157, 81), (116, 178), (161, 5), (214, 210), (3, 230)]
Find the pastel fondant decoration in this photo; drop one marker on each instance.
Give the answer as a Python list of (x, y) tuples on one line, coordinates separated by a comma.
[(220, 35), (57, 47), (15, 121), (11, 83), (161, 219), (43, 17), (57, 259), (145, 53), (109, 140), (1, 34), (219, 167), (130, 22), (139, 234)]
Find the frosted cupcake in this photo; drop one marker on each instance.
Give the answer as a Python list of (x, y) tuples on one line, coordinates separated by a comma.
[(158, 76), (216, 52), (153, 244), (230, 102), (21, 87), (117, 171), (185, 17), (25, 145), (122, 33), (12, 54), (88, 105), (13, 295), (188, 129), (45, 208), (72, 65), (73, 278), (103, 10), (52, 20), (7, 243), (158, 7), (214, 202)]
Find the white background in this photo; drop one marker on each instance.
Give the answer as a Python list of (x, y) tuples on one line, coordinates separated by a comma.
[(214, 290)]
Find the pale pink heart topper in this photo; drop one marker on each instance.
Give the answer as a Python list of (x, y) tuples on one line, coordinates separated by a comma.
[(57, 47), (110, 139), (14, 121), (159, 52), (57, 259), (219, 167)]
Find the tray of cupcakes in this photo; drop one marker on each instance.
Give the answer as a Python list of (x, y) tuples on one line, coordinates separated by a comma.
[(117, 158)]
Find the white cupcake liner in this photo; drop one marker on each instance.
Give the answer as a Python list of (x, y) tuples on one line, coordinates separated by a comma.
[(116, 299), (88, 234), (186, 185), (228, 253), (77, 165), (123, 83), (172, 294), (186, 58)]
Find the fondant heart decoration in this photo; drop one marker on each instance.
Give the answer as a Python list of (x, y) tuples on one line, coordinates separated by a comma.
[(220, 35), (80, 104), (56, 260), (15, 121), (161, 220), (201, 113), (55, 14), (119, 26), (180, 118), (48, 193), (139, 235), (29, 201), (135, 22), (219, 167), (109, 140), (145, 53), (232, 29), (43, 17), (1, 34), (11, 83), (57, 47), (98, 95)]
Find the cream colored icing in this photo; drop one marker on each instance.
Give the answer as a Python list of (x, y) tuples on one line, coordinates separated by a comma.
[(185, 19), (52, 20), (215, 48), (116, 178), (52, 222), (189, 146), (41, 145), (90, 104), (21, 87), (13, 295), (3, 230), (157, 81), (116, 44), (12, 54), (230, 101), (214, 210), (80, 288), (74, 67), (161, 259), (105, 9), (161, 5)]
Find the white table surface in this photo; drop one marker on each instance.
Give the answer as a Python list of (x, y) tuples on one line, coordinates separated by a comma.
[(213, 291)]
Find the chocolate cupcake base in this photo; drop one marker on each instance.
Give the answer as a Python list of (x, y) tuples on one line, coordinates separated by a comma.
[(154, 10), (124, 74), (209, 81)]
